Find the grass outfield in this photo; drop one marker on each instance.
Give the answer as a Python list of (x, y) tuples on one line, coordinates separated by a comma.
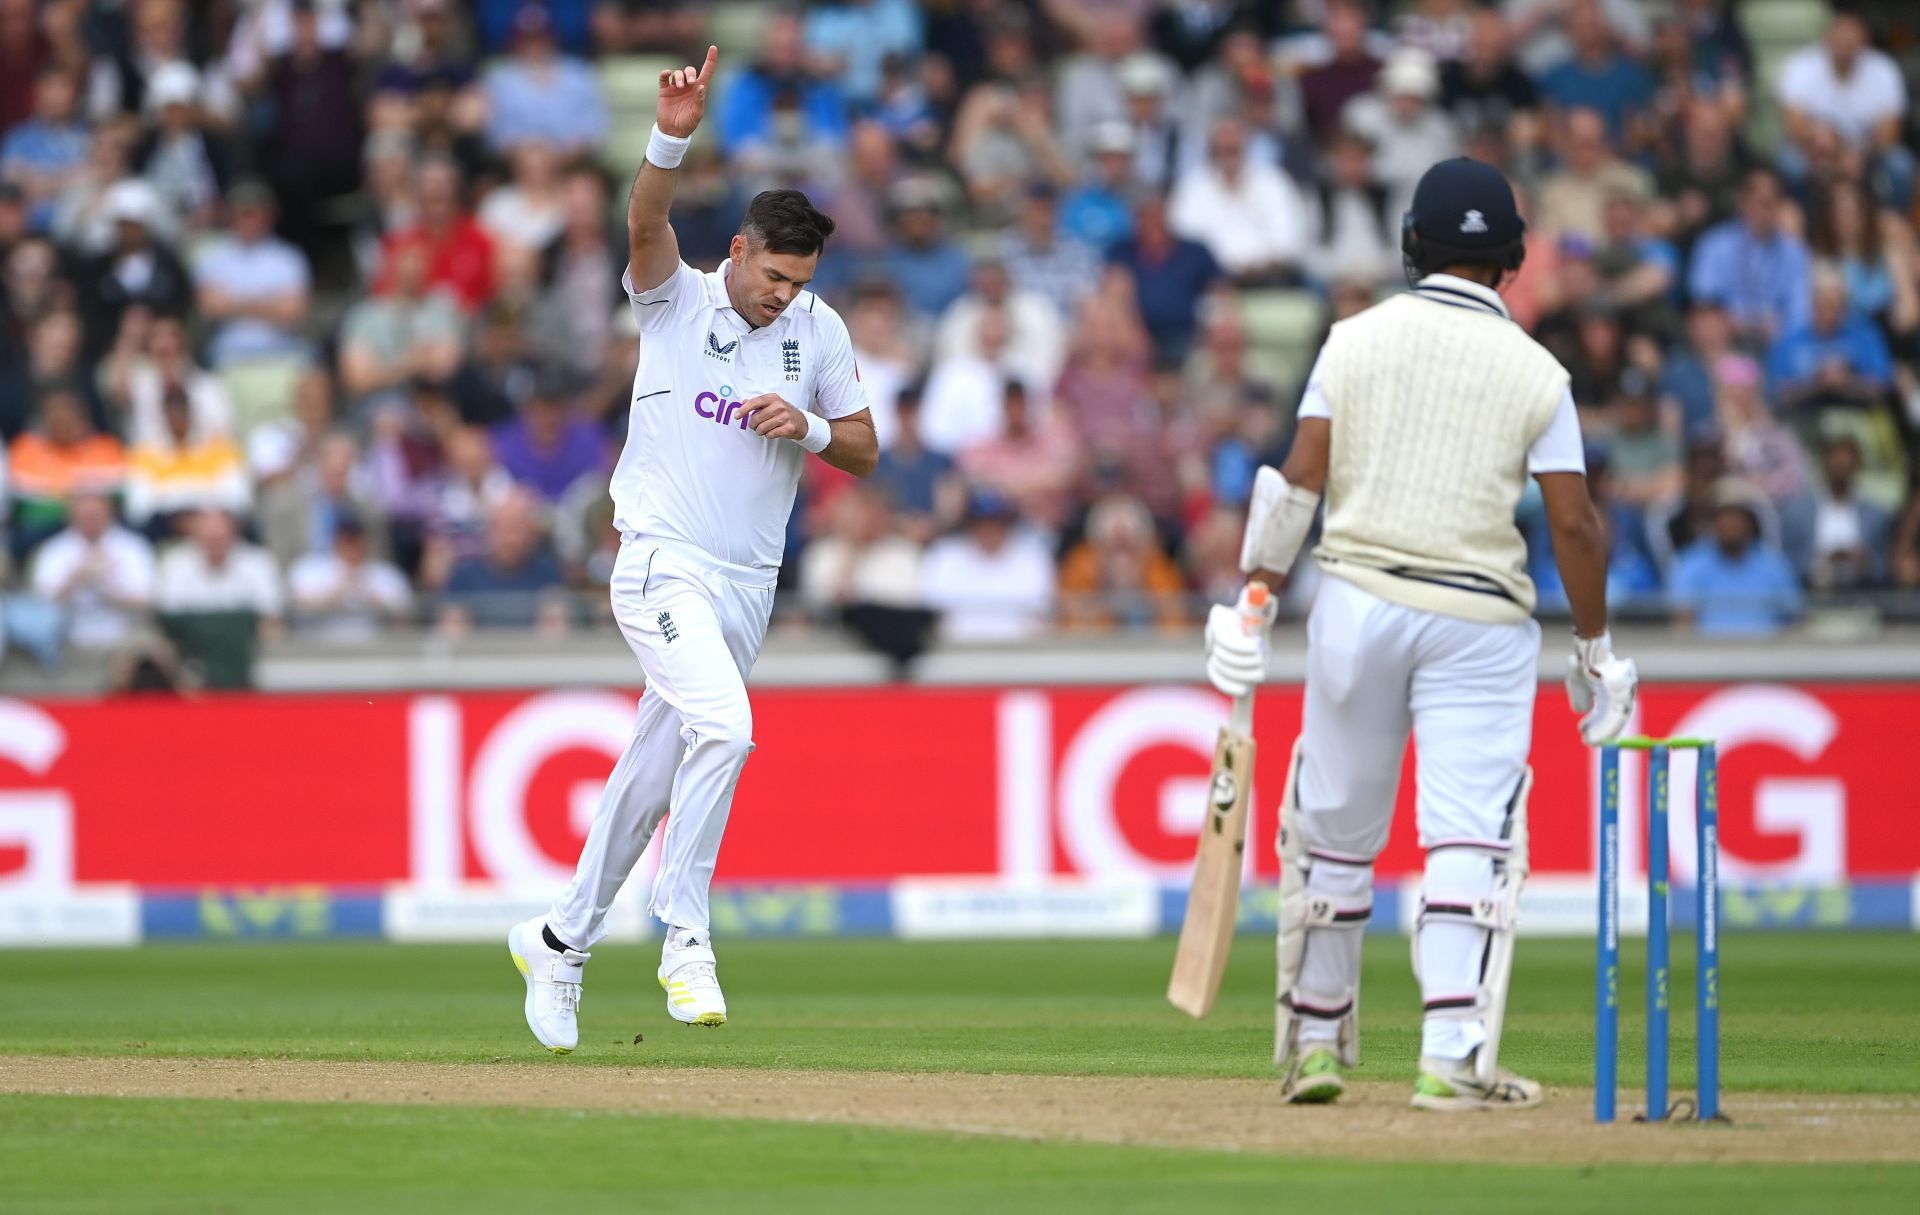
[(1801, 1013)]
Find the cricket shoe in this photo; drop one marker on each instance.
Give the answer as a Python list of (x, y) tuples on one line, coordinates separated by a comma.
[(553, 985), (1452, 1085), (1315, 1079), (687, 975)]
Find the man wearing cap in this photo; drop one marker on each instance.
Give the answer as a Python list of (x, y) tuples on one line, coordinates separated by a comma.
[(1421, 420), (1403, 122), (743, 374)]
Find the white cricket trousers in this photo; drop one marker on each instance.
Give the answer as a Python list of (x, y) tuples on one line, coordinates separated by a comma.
[(1375, 670), (696, 623)]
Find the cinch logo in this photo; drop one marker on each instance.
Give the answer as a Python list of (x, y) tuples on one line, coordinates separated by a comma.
[(718, 408), (716, 351)]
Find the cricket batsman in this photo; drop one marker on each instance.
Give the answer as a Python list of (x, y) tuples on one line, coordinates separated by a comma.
[(1421, 420), (743, 373)]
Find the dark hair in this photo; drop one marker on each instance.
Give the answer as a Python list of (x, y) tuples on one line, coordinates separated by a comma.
[(783, 221), (1422, 256), (1823, 233)]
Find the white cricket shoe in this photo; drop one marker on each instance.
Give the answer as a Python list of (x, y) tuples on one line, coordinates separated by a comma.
[(1452, 1086), (687, 974), (553, 985)]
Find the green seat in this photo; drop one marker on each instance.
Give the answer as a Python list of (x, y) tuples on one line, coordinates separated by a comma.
[(1283, 327), (735, 28), (1783, 22), (262, 390), (629, 83)]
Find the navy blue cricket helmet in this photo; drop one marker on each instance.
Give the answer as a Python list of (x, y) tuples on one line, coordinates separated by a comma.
[(1463, 213)]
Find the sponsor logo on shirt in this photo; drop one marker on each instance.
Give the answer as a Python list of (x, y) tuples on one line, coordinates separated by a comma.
[(716, 351), (719, 407)]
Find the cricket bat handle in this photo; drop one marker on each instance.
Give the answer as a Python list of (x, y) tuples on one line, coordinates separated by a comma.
[(1253, 618)]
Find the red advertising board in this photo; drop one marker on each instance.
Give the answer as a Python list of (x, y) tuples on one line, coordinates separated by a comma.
[(847, 785)]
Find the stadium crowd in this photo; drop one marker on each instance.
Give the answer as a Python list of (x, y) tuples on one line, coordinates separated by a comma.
[(311, 316)]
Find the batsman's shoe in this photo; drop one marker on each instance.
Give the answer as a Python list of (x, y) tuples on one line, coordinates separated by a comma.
[(1451, 1085), (1315, 1079), (687, 974), (553, 985)]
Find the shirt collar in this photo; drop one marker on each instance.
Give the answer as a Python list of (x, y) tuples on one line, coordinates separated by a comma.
[(1462, 293), (718, 298)]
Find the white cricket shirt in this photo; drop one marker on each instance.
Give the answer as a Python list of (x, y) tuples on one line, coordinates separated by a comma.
[(693, 472)]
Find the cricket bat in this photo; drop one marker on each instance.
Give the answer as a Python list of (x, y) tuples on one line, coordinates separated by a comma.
[(1213, 901)]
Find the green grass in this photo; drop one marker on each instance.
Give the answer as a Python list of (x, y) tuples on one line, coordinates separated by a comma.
[(1834, 1013), (1802, 1012), (71, 1155)]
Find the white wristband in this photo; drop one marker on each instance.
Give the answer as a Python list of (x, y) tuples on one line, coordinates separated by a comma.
[(666, 151), (819, 434)]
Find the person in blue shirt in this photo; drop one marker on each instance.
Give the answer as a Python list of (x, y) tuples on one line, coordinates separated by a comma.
[(746, 113), (536, 93), (930, 267), (1170, 276), (1753, 267), (920, 484), (1729, 583), (856, 36), (1599, 76), (1837, 357), (1096, 211), (43, 154)]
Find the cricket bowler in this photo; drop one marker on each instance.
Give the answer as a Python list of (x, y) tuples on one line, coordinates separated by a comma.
[(1421, 420), (743, 373)]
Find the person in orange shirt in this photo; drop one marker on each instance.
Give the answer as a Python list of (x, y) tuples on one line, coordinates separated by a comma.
[(1119, 577), (49, 463), (182, 470)]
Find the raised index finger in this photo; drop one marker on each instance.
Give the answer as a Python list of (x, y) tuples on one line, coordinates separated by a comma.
[(706, 69)]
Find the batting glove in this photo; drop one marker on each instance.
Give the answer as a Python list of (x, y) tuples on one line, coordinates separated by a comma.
[(1601, 688), (1237, 641)]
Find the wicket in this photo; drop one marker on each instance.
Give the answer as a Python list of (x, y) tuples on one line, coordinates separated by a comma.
[(1706, 1106)]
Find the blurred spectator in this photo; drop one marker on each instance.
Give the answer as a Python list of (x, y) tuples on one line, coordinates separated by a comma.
[(528, 210), (993, 580), (962, 401), (138, 268), (1753, 266), (1484, 90), (1242, 82), (1850, 537), (537, 93), (312, 156), (1874, 251), (436, 57), (58, 458), (860, 560), (1105, 394), (182, 471), (1632, 579), (252, 285), (1847, 88), (1109, 79), (473, 488), (514, 582), (1688, 374), (497, 22), (183, 157), (1643, 452), (920, 484), (582, 268), (1732, 583), (1441, 28), (1349, 70), (1400, 118), (500, 369), (1036, 341), (1118, 577), (1046, 261), (1219, 374), (1247, 214), (1096, 211), (24, 50), (1836, 357), (43, 154), (931, 269), (1759, 450), (217, 597), (545, 447), (1600, 75), (1168, 277), (1711, 71), (851, 39), (882, 346), (1032, 461), (1638, 271), (1698, 177), (1573, 201), (52, 360), (1002, 140), (459, 252), (413, 329), (706, 213), (778, 81), (99, 576), (346, 595), (151, 356)]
